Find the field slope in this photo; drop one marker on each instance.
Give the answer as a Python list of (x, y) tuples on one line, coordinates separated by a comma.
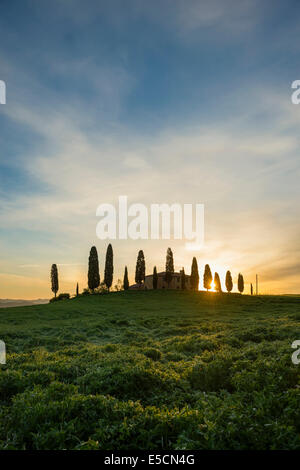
[(151, 370)]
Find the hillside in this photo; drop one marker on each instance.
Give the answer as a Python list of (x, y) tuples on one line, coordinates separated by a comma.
[(160, 369)]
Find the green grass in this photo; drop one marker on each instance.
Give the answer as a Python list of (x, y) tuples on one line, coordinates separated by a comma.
[(151, 370)]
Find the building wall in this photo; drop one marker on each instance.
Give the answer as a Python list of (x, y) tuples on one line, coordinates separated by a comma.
[(162, 284)]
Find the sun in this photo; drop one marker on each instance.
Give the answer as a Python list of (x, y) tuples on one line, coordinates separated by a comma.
[(221, 270)]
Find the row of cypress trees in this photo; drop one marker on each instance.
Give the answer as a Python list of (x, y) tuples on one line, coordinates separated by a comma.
[(93, 270), (140, 273), (208, 279)]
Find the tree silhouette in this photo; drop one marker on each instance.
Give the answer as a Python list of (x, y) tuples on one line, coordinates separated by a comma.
[(93, 272), (155, 278), (77, 290), (182, 279), (228, 281), (140, 268), (54, 279), (169, 267), (241, 283), (217, 283), (251, 289), (194, 275), (125, 281), (109, 267), (207, 278)]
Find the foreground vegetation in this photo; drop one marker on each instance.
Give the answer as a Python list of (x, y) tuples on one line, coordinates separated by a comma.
[(151, 370)]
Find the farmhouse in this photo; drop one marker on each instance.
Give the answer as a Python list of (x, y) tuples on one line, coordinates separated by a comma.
[(162, 284)]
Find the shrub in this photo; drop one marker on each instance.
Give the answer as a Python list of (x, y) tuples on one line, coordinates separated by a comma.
[(164, 371), (86, 292), (211, 376), (63, 296), (152, 353)]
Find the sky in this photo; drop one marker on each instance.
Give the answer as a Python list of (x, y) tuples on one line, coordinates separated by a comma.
[(165, 102)]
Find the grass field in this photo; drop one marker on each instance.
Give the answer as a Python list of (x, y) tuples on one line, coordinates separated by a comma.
[(151, 370)]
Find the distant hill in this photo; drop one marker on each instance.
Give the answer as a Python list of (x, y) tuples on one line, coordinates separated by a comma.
[(4, 303)]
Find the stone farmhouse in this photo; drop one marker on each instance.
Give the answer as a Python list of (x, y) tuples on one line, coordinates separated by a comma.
[(162, 284)]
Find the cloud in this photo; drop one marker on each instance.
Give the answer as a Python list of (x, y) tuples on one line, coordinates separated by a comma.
[(135, 162), (230, 16), (29, 265), (225, 15), (231, 169), (240, 161)]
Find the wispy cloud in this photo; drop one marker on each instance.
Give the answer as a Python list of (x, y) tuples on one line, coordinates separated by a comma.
[(152, 104), (231, 170)]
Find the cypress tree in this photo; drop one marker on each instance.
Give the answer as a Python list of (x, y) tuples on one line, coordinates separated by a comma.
[(125, 281), (77, 290), (140, 268), (228, 281), (194, 275), (182, 279), (155, 278), (207, 278), (54, 279), (109, 267), (169, 267), (217, 283), (251, 289), (93, 272), (241, 283)]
